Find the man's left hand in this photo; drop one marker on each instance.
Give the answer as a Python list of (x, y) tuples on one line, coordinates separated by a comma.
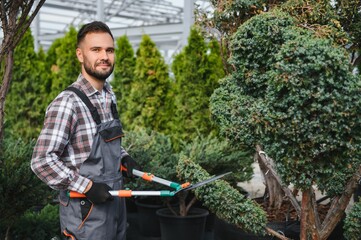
[(129, 163)]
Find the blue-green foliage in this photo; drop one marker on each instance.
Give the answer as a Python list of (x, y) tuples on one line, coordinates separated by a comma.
[(218, 156), (222, 199)]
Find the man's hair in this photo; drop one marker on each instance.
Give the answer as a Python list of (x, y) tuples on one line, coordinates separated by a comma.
[(92, 27)]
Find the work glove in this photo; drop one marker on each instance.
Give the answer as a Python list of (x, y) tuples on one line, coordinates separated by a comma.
[(129, 163), (99, 193)]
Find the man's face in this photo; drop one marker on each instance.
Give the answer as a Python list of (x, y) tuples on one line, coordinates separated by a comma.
[(96, 53)]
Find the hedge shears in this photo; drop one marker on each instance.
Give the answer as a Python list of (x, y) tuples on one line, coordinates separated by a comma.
[(177, 187)]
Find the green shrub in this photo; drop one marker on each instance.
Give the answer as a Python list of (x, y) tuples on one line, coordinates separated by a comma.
[(20, 189), (38, 225), (154, 153), (222, 199), (352, 226), (218, 156)]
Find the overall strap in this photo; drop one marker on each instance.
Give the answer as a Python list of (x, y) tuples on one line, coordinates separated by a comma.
[(85, 99), (114, 110)]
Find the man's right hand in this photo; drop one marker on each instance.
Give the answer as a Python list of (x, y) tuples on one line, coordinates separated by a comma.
[(99, 193)]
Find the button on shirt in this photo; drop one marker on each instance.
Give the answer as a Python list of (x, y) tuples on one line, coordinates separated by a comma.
[(67, 136)]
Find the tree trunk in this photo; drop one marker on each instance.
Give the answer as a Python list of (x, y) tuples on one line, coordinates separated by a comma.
[(15, 20), (338, 206), (7, 76), (310, 223), (273, 188)]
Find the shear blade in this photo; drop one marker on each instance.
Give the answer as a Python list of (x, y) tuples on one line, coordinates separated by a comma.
[(204, 182)]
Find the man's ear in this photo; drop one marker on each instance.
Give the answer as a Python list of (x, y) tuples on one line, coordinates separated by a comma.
[(79, 55)]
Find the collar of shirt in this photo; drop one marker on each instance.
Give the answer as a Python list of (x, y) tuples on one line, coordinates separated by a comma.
[(88, 89)]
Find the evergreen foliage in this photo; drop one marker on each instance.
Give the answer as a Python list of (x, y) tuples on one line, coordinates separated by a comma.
[(297, 97), (197, 69), (20, 189), (154, 153), (123, 75), (218, 156), (25, 107), (222, 199), (66, 68), (43, 224), (146, 106), (352, 224)]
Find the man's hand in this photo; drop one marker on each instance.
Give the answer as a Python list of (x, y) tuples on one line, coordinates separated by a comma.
[(99, 193), (129, 163)]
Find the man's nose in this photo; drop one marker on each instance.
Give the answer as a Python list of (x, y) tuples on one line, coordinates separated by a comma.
[(104, 54)]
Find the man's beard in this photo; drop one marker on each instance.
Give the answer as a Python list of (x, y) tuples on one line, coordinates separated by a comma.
[(98, 74)]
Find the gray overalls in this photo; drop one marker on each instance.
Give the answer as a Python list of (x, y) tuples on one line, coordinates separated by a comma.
[(79, 218)]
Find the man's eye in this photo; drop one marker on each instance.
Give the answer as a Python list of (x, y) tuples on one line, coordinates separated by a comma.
[(110, 50)]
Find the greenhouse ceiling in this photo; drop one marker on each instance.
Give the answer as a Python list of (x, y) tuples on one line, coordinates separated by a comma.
[(166, 21)]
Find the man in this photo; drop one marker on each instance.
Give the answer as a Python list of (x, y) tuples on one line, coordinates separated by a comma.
[(79, 148)]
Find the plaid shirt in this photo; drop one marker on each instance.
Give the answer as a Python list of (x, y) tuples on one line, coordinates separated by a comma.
[(67, 136)]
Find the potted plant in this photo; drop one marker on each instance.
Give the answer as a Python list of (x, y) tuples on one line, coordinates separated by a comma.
[(148, 148), (215, 155), (293, 94), (225, 201)]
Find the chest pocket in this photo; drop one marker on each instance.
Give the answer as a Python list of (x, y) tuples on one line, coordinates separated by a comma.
[(110, 134)]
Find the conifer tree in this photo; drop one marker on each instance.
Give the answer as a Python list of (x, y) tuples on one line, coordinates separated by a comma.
[(24, 105), (197, 69), (66, 67), (123, 74), (148, 92)]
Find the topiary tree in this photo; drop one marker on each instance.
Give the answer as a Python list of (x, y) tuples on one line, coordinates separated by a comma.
[(197, 69), (336, 18), (123, 75), (146, 105), (294, 94)]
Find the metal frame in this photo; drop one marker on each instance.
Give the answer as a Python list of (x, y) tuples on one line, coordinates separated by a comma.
[(168, 25), (163, 21)]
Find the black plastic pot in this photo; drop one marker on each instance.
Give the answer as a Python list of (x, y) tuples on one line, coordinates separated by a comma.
[(147, 219), (190, 227)]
